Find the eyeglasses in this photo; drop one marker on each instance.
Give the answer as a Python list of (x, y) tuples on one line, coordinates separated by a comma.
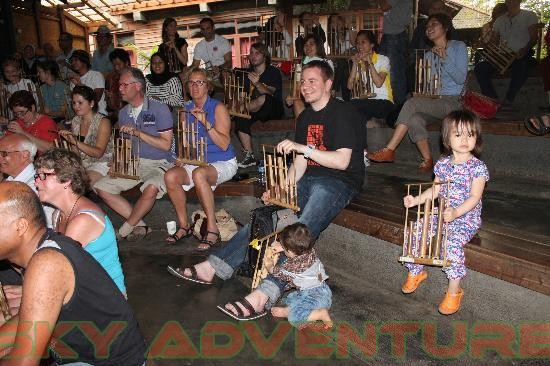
[(20, 113), (5, 153), (125, 85), (42, 175), (196, 82)]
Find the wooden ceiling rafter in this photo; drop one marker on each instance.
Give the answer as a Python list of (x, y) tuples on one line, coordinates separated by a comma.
[(91, 6), (155, 5)]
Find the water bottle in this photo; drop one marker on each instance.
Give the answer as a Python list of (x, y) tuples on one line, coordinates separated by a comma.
[(366, 158), (261, 172)]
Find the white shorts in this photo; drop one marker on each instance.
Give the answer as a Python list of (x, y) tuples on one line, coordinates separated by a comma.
[(99, 167), (226, 170)]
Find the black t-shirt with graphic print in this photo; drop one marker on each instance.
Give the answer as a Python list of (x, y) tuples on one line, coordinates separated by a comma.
[(334, 127)]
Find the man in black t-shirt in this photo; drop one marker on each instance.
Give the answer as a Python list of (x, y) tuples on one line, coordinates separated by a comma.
[(63, 284), (329, 171), (265, 83)]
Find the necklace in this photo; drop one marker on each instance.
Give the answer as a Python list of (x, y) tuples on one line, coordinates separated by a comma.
[(71, 212)]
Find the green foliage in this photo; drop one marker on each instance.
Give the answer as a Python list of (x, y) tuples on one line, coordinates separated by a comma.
[(335, 5), (143, 57)]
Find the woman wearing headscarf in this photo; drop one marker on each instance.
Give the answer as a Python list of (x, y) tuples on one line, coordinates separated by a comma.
[(163, 85)]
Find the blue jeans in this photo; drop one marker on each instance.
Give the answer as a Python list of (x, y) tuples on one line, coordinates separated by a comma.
[(320, 199), (519, 71), (395, 47), (302, 302)]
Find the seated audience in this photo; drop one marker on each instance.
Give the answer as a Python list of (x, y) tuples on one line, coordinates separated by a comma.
[(63, 284), (517, 29), (37, 127), (214, 124), (419, 111), (90, 134), (61, 181), (80, 62), (329, 171), (214, 51), (266, 98), (162, 84), (276, 37), (148, 123)]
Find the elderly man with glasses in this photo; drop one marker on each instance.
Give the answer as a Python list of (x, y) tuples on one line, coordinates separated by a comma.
[(17, 154), (149, 125)]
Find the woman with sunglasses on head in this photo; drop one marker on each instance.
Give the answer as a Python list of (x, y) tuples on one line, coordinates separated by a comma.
[(37, 127), (90, 134), (214, 124), (162, 84), (61, 181)]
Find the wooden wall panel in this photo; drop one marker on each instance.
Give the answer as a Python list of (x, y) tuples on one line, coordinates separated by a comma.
[(25, 30)]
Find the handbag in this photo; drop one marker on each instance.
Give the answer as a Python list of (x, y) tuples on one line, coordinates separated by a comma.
[(477, 103), (224, 221)]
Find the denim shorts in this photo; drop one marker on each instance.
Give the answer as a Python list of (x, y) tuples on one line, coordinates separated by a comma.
[(302, 302)]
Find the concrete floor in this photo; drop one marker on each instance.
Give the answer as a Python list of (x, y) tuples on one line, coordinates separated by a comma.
[(365, 278)]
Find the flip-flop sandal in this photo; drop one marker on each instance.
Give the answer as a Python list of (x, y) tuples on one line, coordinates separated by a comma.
[(210, 243), (537, 128), (175, 238), (240, 314), (193, 278), (140, 234)]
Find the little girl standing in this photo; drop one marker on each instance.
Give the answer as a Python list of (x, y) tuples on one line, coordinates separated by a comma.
[(461, 135)]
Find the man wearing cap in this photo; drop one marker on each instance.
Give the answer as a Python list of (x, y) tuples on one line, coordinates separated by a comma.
[(104, 46), (80, 62), (66, 46)]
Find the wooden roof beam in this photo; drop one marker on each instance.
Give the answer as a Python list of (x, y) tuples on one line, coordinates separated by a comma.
[(91, 6), (155, 5)]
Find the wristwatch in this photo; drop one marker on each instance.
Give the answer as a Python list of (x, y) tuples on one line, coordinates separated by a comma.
[(309, 149)]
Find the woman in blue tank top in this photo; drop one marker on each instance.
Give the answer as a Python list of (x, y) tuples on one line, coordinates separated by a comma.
[(214, 125), (61, 181)]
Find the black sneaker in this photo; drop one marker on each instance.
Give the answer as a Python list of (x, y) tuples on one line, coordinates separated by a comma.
[(248, 160)]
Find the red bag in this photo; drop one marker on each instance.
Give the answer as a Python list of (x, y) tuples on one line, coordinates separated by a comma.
[(477, 103)]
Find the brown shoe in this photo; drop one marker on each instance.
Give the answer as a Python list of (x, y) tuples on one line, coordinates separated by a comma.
[(386, 155), (412, 282), (426, 166), (451, 303)]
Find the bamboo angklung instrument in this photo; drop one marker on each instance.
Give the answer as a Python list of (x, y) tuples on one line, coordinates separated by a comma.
[(425, 236), (263, 245), (362, 84), (282, 192), (237, 99), (192, 149), (4, 306), (498, 55), (427, 76), (125, 162)]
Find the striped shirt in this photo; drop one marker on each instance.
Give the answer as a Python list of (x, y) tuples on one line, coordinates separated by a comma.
[(169, 93)]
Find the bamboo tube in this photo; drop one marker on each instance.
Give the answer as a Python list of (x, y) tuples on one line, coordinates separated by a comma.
[(425, 227)]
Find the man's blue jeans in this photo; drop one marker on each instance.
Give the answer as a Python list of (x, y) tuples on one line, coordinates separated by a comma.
[(320, 199), (395, 47)]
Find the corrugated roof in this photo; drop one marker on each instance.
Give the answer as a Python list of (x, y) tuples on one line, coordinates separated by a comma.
[(90, 10)]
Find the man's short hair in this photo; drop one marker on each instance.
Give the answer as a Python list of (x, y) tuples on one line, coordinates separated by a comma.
[(18, 201), (207, 20), (25, 144), (137, 75), (67, 35), (262, 48), (326, 70), (121, 54)]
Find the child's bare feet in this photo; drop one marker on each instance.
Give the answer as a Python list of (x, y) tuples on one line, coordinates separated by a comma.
[(316, 315), (280, 312)]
